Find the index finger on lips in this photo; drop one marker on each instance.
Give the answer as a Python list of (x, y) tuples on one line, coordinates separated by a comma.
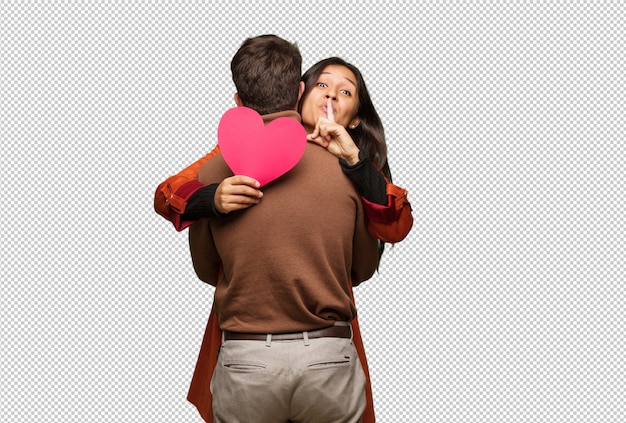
[(329, 110)]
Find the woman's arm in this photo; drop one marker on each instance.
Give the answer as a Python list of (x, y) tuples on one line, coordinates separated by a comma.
[(182, 200), (386, 205), (172, 195), (393, 221)]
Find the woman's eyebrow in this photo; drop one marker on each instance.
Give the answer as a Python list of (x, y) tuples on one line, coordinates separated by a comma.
[(347, 79)]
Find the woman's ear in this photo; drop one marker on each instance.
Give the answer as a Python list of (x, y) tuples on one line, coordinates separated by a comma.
[(356, 121), (237, 100)]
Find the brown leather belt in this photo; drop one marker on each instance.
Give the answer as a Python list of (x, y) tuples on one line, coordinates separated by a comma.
[(329, 332)]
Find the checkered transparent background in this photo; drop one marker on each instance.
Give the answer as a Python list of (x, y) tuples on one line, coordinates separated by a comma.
[(504, 120)]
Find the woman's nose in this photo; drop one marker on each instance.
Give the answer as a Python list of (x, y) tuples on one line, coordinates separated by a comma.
[(332, 96)]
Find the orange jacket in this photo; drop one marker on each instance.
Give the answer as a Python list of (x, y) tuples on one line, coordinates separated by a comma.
[(389, 223)]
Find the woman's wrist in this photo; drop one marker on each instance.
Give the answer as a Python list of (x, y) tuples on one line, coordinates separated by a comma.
[(352, 157)]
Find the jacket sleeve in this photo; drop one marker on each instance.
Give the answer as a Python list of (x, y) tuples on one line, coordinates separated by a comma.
[(391, 222), (170, 197)]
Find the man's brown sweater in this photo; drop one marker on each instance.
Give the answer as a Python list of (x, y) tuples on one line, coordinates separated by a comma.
[(288, 261)]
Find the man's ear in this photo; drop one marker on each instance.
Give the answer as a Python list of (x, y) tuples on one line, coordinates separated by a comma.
[(300, 90), (237, 100)]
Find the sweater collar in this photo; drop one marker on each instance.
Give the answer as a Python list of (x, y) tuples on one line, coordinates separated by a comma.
[(285, 113)]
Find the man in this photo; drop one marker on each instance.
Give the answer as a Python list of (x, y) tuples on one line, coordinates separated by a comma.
[(284, 269)]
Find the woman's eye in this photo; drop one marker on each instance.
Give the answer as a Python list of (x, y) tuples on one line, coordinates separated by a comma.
[(321, 84), (346, 92)]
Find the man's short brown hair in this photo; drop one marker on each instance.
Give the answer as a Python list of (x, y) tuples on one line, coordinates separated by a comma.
[(266, 72)]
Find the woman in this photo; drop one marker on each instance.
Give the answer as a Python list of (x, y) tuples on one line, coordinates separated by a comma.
[(336, 109)]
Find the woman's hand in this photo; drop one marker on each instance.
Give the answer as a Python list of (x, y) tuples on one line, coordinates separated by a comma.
[(334, 137), (237, 193)]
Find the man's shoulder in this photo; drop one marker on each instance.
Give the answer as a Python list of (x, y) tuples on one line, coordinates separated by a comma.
[(319, 156), (215, 167), (322, 168)]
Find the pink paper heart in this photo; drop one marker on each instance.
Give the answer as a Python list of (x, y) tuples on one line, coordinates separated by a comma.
[(262, 152)]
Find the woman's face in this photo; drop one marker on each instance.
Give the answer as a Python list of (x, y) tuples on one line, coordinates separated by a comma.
[(339, 84)]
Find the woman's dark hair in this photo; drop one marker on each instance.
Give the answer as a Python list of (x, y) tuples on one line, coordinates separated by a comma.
[(369, 134)]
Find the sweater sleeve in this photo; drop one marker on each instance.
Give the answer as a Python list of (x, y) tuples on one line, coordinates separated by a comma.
[(204, 256), (364, 250)]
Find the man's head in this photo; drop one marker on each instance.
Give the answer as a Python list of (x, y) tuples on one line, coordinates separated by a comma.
[(266, 72)]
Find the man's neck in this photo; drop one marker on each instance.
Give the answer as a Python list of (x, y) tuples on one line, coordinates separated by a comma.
[(285, 113)]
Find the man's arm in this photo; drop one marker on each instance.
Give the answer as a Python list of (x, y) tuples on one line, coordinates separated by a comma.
[(364, 251), (204, 255)]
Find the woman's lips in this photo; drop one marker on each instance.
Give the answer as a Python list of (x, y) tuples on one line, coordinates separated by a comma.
[(325, 109)]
